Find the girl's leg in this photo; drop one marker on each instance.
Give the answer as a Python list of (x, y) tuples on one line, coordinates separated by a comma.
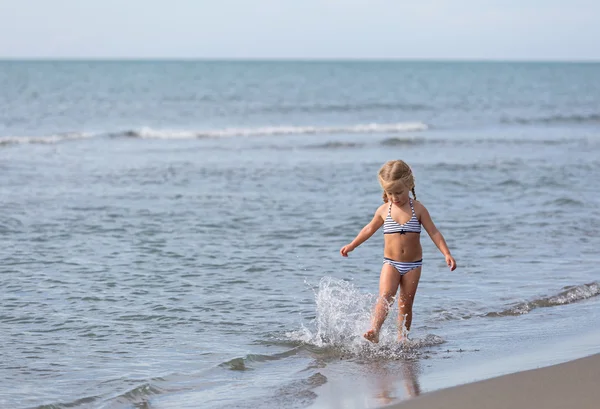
[(388, 286), (408, 289)]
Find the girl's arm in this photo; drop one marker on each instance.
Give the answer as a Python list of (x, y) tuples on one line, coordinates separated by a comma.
[(364, 234), (436, 237)]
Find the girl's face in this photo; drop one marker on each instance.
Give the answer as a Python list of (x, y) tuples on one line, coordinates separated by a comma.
[(398, 194)]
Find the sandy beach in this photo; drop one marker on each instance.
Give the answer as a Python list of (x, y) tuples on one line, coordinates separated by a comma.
[(574, 384)]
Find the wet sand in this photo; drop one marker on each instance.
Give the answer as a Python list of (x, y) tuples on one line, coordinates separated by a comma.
[(574, 384)]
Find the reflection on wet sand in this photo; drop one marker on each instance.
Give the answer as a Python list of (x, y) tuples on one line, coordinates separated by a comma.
[(387, 382)]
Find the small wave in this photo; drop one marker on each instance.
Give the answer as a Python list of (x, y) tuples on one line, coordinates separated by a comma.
[(141, 392), (139, 396), (243, 364), (149, 133), (74, 404), (451, 314), (335, 145), (565, 201), (50, 139), (402, 141), (556, 119), (568, 296), (10, 224), (235, 364), (510, 183), (324, 108), (510, 141)]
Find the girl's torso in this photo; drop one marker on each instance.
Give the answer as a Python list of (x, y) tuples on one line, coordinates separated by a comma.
[(402, 230)]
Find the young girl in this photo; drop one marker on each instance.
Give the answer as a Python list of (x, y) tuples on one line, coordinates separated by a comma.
[(401, 218)]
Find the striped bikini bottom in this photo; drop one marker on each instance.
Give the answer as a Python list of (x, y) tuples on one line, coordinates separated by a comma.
[(401, 266)]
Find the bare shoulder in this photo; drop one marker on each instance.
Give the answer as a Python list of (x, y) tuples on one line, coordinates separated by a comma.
[(420, 208), (382, 210)]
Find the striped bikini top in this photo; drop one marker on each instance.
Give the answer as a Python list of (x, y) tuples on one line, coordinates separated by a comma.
[(392, 226)]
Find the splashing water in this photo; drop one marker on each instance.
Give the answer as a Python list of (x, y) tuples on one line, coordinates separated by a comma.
[(343, 314)]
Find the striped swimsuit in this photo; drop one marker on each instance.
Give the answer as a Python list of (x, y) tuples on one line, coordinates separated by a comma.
[(390, 226)]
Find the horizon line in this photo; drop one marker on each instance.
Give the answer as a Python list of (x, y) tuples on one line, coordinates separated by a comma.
[(292, 59)]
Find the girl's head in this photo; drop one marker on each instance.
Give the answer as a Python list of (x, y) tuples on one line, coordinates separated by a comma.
[(396, 179)]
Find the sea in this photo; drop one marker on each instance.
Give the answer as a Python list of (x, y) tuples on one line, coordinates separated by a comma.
[(170, 230)]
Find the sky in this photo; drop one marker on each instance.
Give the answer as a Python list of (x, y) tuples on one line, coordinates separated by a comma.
[(301, 29)]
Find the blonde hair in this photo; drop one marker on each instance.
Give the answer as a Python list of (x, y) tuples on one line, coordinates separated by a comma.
[(393, 173)]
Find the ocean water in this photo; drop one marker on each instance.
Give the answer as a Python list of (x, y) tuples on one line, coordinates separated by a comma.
[(170, 231)]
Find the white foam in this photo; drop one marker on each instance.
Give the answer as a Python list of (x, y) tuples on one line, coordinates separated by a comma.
[(149, 133), (343, 314), (49, 139), (568, 296)]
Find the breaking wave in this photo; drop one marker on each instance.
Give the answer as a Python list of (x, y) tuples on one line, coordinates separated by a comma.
[(149, 133), (570, 295), (49, 139)]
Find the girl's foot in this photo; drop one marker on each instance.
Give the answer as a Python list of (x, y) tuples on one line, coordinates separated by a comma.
[(371, 336), (403, 339)]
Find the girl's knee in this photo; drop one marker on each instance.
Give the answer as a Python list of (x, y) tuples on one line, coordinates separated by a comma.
[(405, 300), (387, 293)]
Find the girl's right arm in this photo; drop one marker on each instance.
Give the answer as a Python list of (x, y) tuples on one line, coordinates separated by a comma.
[(365, 233)]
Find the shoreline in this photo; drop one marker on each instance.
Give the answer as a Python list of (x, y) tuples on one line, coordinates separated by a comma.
[(400, 383), (572, 384)]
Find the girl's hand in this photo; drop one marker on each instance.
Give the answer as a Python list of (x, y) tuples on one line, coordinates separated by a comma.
[(346, 249), (451, 262)]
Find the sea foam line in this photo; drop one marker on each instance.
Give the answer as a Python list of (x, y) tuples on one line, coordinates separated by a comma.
[(150, 133), (48, 139)]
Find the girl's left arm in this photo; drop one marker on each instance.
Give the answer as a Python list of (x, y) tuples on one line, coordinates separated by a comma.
[(436, 236)]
